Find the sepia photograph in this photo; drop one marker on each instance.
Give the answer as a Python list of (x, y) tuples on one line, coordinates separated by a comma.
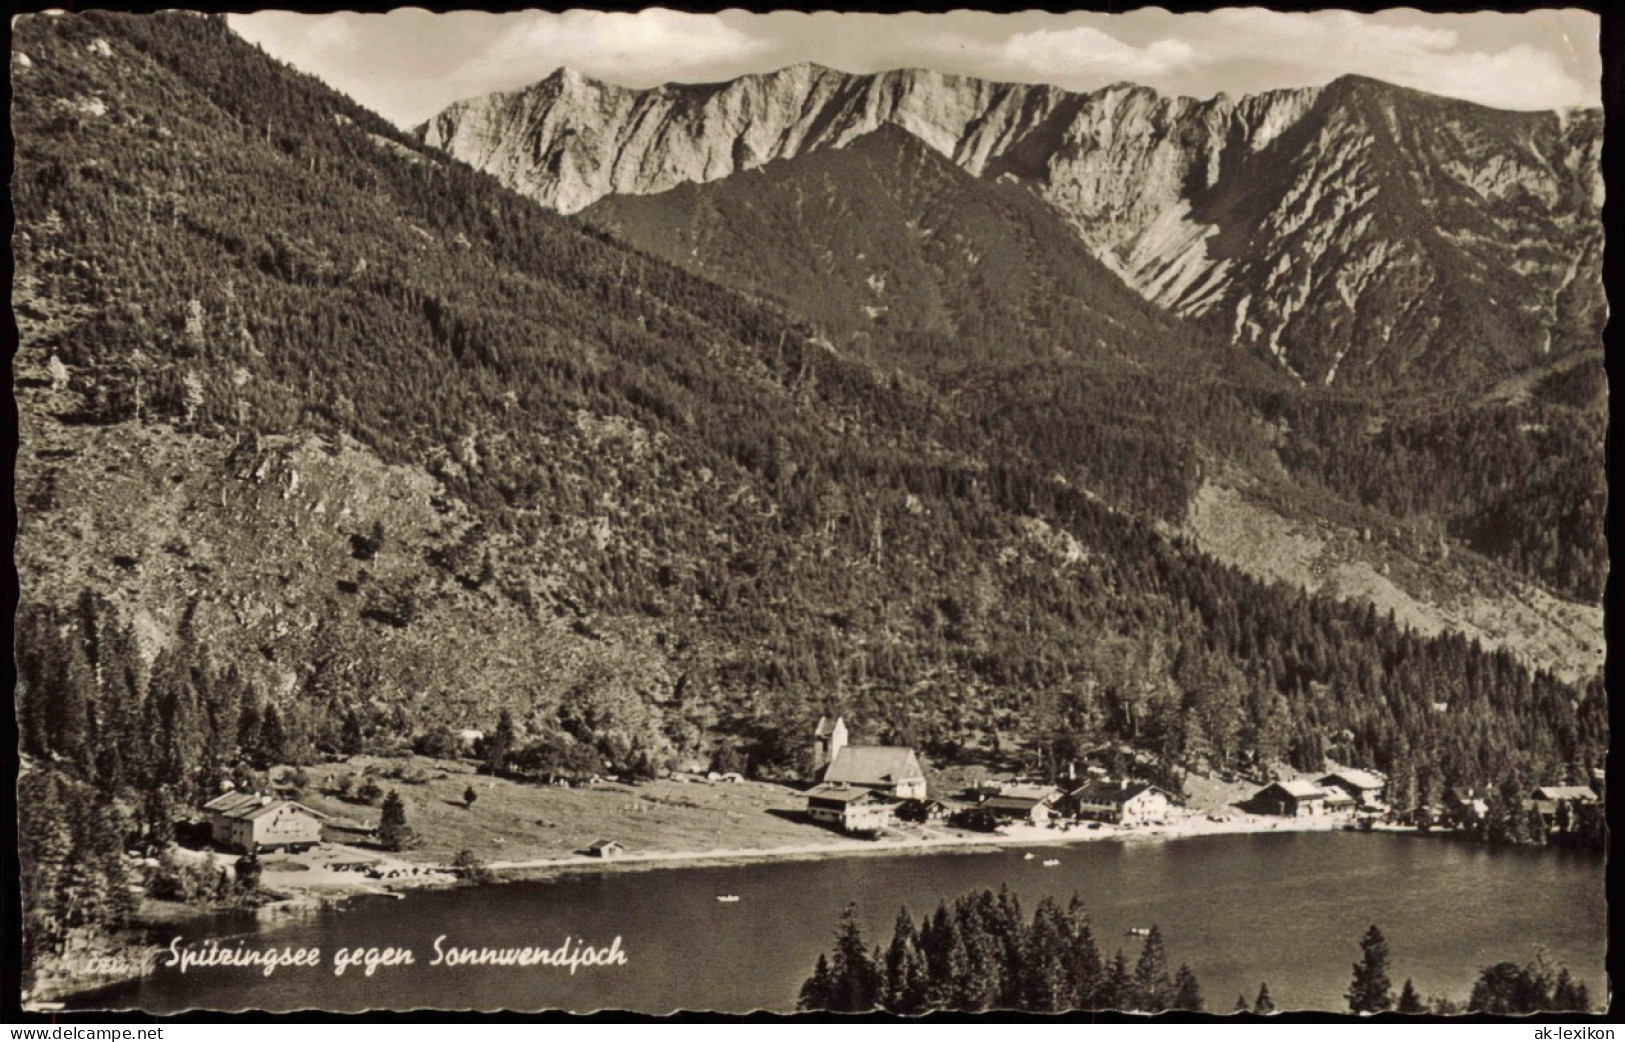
[(647, 511)]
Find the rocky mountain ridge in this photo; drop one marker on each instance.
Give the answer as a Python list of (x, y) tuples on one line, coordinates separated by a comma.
[(1359, 233)]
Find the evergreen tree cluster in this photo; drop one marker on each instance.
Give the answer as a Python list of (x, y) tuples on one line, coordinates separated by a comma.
[(1504, 988), (1524, 482), (980, 952), (167, 734), (118, 751), (75, 880)]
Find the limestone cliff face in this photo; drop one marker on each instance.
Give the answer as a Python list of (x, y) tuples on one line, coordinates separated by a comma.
[(1357, 232)]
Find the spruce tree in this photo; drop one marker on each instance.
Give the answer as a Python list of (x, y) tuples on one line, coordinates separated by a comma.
[(983, 981), (1371, 991), (1187, 992), (947, 962), (815, 990), (393, 831), (1264, 1005), (499, 746), (351, 739), (273, 748), (158, 817), (1045, 985), (1084, 958), (248, 729), (247, 872), (855, 980), (1242, 1005), (1116, 990), (906, 983), (1409, 1000), (1152, 988)]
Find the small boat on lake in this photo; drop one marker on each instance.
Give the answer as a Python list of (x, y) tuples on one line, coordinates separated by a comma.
[(1052, 862), (727, 899), (1137, 931), (1028, 856)]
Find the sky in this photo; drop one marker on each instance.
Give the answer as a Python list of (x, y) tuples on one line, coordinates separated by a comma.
[(408, 64)]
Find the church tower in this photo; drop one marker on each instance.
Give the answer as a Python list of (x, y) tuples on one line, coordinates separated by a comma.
[(828, 741)]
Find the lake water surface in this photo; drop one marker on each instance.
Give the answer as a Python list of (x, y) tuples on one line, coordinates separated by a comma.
[(1288, 909)]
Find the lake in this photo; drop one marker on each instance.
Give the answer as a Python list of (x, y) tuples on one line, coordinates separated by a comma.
[(1288, 909)]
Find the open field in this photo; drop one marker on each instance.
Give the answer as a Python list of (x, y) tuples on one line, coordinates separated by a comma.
[(526, 828), (515, 821)]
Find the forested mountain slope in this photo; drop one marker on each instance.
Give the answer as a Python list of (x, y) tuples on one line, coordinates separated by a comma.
[(888, 239), (982, 289), (1360, 234), (341, 428)]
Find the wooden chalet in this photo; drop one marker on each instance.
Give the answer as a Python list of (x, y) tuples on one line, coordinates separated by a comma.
[(852, 808), (1128, 803), (1297, 798), (249, 822)]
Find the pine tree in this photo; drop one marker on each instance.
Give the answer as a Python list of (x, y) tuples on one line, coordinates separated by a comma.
[(1045, 985), (1152, 988), (1242, 1005), (1084, 957), (815, 990), (45, 841), (947, 963), (351, 739), (855, 980), (499, 746), (247, 872), (248, 729), (158, 817), (1264, 1005), (906, 983), (1116, 990), (393, 831), (1187, 992), (1409, 1000), (273, 747), (1371, 991)]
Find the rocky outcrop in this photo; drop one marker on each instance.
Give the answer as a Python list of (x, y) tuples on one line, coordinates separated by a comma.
[(1357, 232)]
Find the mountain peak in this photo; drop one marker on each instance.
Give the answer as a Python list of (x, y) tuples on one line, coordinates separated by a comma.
[(566, 76)]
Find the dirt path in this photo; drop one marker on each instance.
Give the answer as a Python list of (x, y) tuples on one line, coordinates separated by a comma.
[(1013, 836)]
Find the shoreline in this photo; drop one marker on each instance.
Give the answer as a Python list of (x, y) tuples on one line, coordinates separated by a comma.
[(1017, 836), (139, 958)]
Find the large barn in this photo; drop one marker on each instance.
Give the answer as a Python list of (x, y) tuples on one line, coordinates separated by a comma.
[(247, 822), (1297, 798)]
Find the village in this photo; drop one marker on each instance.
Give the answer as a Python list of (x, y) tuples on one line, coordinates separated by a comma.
[(858, 798), (295, 839)]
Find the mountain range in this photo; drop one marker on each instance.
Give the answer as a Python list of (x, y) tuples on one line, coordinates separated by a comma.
[(1358, 233)]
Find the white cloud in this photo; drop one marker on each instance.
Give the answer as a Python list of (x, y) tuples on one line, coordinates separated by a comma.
[(1519, 77), (649, 45), (1062, 55), (1326, 44), (410, 63)]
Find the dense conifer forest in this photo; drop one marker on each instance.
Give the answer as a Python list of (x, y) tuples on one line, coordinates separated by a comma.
[(979, 953), (217, 248)]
